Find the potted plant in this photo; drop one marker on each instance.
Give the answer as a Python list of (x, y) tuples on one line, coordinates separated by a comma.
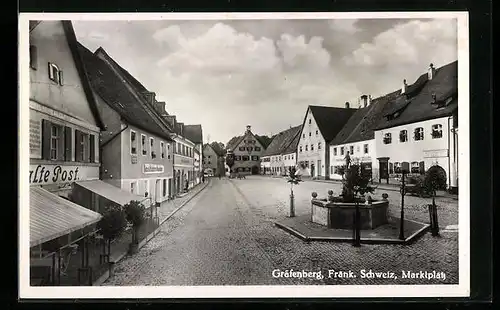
[(134, 211), (293, 179), (111, 226)]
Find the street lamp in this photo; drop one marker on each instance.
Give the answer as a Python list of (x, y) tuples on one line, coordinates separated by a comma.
[(403, 193)]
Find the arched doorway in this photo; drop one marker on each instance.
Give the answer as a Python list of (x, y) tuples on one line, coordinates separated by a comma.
[(255, 170), (442, 175)]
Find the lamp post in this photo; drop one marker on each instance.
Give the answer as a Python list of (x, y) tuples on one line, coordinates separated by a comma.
[(403, 192)]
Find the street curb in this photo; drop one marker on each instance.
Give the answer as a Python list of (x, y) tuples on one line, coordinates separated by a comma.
[(365, 240), (148, 238)]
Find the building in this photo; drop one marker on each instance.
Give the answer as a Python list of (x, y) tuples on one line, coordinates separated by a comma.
[(418, 129), (279, 156), (212, 161), (64, 127), (320, 126), (247, 150), (194, 133), (136, 148), (357, 138)]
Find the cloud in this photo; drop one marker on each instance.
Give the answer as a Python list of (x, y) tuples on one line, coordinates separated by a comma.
[(409, 43), (347, 26)]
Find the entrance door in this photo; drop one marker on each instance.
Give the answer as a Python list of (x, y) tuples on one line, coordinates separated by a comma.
[(312, 170), (319, 168), (384, 171)]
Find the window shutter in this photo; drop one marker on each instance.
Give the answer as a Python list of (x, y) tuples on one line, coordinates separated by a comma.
[(61, 147), (33, 57), (78, 145), (422, 167), (46, 126), (67, 143), (86, 153), (92, 148)]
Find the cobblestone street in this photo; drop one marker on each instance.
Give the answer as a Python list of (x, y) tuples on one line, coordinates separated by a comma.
[(226, 236)]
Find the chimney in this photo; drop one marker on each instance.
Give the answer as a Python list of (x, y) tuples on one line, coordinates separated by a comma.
[(404, 88), (181, 129), (365, 98), (249, 128), (432, 72), (369, 99), (347, 105)]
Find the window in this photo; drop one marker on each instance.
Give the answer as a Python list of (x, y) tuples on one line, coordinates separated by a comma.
[(255, 158), (351, 148), (312, 147), (319, 145), (55, 74), (83, 147), (33, 57), (437, 131), (331, 169), (257, 148), (388, 138), (415, 167), (133, 142), (237, 158), (397, 167), (152, 147), (143, 144), (403, 136), (342, 151), (316, 132), (309, 134), (357, 149), (246, 158), (241, 148), (132, 187), (162, 150), (365, 147), (300, 148), (168, 151), (55, 132), (309, 124), (306, 148), (418, 134), (208, 156), (303, 136), (334, 151)]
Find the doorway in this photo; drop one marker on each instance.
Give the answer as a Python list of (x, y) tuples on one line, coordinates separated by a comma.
[(312, 170)]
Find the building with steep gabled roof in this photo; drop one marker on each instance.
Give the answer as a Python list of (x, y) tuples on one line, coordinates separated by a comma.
[(247, 151), (320, 126), (418, 128), (280, 154)]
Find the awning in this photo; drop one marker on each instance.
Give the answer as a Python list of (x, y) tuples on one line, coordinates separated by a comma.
[(52, 216), (111, 192)]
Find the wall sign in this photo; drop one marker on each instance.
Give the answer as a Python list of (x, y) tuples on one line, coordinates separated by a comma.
[(50, 174), (436, 153), (35, 138), (185, 161), (152, 168)]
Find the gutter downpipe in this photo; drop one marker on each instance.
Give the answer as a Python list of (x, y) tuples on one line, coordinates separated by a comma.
[(101, 148), (449, 158)]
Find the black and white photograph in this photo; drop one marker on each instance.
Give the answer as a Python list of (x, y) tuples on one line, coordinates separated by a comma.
[(244, 155)]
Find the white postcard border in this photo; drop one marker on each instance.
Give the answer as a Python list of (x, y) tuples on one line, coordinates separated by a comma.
[(317, 291)]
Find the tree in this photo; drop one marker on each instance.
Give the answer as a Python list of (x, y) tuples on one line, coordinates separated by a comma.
[(135, 216), (218, 147), (434, 180), (293, 179), (112, 224)]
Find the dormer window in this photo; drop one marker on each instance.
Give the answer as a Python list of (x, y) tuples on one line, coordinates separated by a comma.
[(388, 138), (55, 74)]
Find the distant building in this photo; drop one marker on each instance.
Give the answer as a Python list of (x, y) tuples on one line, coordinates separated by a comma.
[(418, 129), (212, 161), (320, 126), (194, 133), (280, 155), (357, 138), (247, 150)]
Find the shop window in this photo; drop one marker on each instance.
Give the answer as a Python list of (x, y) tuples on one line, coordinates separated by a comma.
[(437, 131), (403, 136), (418, 134), (334, 151), (133, 142), (152, 148), (33, 57), (55, 74), (143, 144), (351, 149), (365, 149), (388, 138), (397, 167), (162, 149), (415, 167)]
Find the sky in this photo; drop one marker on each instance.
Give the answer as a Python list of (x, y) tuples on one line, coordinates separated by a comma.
[(227, 74)]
